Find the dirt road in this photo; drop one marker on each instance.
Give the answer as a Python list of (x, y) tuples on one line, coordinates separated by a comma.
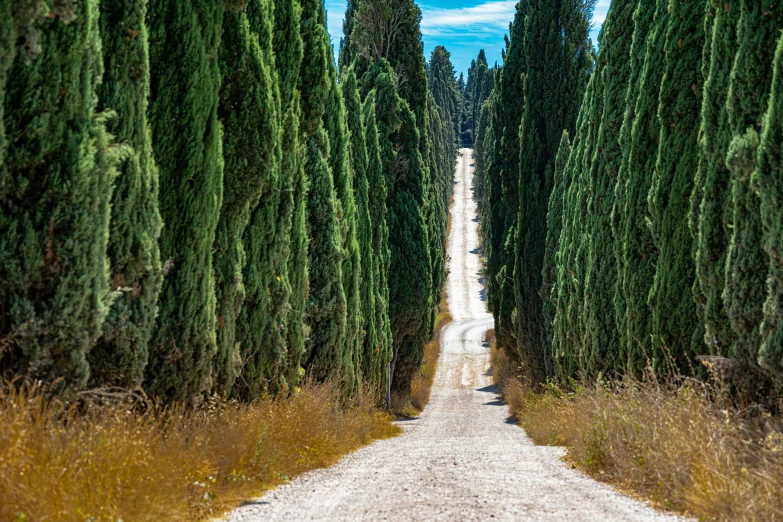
[(463, 459)]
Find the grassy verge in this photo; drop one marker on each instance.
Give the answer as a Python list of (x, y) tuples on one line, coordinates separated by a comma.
[(132, 460), (680, 447)]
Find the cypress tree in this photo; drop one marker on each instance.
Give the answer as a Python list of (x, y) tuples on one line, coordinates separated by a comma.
[(500, 263), (267, 363), (677, 332), (568, 327), (639, 252), (770, 183), (554, 226), (339, 163), (710, 202), (602, 340), (548, 110), (410, 271), (642, 22), (377, 184), (746, 263), (325, 310), (248, 111), (120, 355), (369, 338), (55, 191), (187, 137)]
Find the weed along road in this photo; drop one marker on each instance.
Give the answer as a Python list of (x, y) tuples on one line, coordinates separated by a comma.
[(463, 459)]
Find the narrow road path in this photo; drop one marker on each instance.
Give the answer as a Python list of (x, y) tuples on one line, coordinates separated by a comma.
[(463, 459)]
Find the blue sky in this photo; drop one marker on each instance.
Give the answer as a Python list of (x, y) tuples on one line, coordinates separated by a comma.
[(462, 26)]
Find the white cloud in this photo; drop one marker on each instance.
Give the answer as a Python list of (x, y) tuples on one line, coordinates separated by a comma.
[(489, 17)]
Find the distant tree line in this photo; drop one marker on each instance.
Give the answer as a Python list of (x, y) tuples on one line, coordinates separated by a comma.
[(196, 200), (631, 199)]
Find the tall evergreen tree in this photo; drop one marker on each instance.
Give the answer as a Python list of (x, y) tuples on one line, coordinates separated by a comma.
[(547, 111), (505, 165), (615, 48), (554, 226), (710, 201), (746, 263), (340, 165), (369, 341), (248, 111), (187, 137), (639, 252), (55, 191), (769, 179), (568, 330), (377, 182), (676, 331), (120, 355), (325, 311), (642, 23)]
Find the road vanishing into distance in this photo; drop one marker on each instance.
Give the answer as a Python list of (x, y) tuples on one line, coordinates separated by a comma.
[(463, 459)]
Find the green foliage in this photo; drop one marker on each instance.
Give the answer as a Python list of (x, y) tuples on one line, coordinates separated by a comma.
[(505, 200), (120, 355), (325, 309), (602, 343), (340, 165), (770, 183), (188, 150), (554, 225), (639, 251), (369, 368), (551, 38), (375, 367), (710, 201), (746, 263), (55, 192), (676, 331), (248, 111)]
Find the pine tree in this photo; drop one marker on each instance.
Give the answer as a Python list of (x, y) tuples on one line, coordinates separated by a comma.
[(120, 355), (639, 252), (325, 310), (55, 191), (770, 183), (340, 165), (602, 341), (746, 263), (251, 144), (8, 38), (710, 202), (676, 330), (187, 138)]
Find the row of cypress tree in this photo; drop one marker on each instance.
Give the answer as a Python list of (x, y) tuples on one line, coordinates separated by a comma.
[(186, 207), (654, 235)]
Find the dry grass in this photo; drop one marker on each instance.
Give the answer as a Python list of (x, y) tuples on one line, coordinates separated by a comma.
[(679, 447), (133, 460)]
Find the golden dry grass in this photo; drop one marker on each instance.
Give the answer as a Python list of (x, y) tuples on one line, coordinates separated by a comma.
[(680, 447), (135, 461)]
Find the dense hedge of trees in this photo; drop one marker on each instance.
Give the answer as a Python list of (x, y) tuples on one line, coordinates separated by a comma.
[(187, 208), (632, 204)]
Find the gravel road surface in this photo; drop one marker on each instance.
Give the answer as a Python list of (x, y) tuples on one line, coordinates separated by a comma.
[(463, 459)]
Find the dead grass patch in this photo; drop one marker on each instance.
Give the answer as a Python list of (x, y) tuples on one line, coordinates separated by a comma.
[(134, 460), (679, 446)]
